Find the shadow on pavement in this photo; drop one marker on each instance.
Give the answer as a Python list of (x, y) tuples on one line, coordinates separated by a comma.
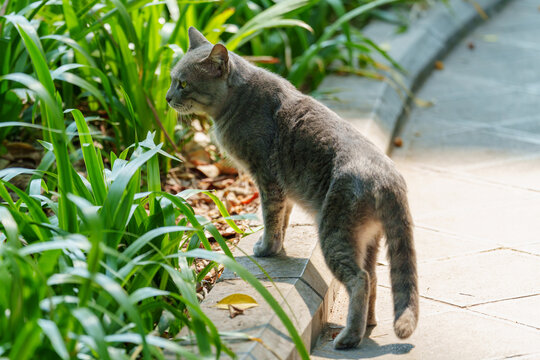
[(368, 349)]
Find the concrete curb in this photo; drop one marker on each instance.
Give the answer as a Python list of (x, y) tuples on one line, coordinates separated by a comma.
[(302, 283), (303, 286), (375, 107)]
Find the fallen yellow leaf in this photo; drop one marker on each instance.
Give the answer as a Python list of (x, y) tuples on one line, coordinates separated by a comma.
[(423, 103), (239, 301), (490, 38)]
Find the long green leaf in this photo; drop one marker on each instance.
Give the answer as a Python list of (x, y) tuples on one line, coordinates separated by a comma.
[(53, 333), (271, 17), (92, 326), (300, 67), (76, 275), (92, 159), (10, 226), (144, 239), (155, 341), (52, 115)]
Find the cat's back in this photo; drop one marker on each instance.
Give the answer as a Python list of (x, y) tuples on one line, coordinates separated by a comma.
[(317, 148), (307, 120), (312, 143)]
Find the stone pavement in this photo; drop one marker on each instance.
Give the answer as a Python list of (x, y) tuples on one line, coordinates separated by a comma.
[(472, 163)]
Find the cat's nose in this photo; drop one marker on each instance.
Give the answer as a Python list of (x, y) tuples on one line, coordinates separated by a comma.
[(168, 98)]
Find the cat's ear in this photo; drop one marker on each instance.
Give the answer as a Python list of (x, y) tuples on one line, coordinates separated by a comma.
[(196, 39), (218, 60)]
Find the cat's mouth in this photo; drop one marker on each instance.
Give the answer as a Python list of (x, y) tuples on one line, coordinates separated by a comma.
[(181, 108)]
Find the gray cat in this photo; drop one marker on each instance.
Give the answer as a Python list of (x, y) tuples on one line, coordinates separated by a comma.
[(298, 150)]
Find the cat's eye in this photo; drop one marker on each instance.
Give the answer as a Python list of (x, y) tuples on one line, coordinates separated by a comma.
[(183, 84)]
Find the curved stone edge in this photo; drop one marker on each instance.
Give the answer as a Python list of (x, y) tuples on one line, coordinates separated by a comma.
[(376, 108), (301, 281)]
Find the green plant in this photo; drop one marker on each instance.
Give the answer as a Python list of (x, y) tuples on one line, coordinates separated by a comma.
[(106, 291), (106, 52), (98, 263)]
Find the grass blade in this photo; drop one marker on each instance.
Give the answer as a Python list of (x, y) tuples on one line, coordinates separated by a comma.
[(50, 329), (92, 326), (92, 160)]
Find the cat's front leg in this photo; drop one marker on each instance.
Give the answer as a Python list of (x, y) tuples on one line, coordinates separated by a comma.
[(274, 209)]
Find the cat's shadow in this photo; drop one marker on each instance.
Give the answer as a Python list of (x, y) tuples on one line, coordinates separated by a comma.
[(368, 349)]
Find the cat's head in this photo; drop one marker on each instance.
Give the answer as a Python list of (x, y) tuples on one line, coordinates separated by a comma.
[(199, 80)]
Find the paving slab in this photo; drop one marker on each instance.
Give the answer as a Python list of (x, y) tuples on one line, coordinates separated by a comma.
[(449, 335), (384, 307), (533, 248), (300, 216), (468, 149), (434, 245), (528, 127), (524, 14), (446, 84), (531, 88), (434, 192), (509, 224), (476, 279), (505, 172), (524, 310), (416, 50), (478, 63), (492, 107)]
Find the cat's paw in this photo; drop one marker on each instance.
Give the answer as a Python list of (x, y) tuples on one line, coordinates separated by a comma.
[(264, 248), (347, 339)]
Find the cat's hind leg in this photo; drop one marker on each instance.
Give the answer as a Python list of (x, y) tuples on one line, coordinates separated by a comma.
[(287, 215), (340, 250), (370, 264)]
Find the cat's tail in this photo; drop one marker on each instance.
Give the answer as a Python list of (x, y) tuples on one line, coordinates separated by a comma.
[(398, 226)]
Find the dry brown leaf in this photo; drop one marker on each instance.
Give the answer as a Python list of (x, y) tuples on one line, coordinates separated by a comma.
[(480, 11), (21, 150), (226, 168), (439, 65), (250, 199), (234, 311), (231, 201), (262, 59), (199, 157), (210, 170), (227, 232), (201, 139), (224, 183)]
